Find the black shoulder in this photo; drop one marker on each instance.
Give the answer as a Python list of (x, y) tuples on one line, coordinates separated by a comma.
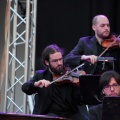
[(40, 71), (86, 38)]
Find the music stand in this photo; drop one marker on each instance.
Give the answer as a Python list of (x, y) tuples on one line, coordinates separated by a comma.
[(111, 108), (89, 89)]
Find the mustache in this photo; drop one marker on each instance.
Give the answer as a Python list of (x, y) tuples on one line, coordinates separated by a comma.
[(106, 31), (60, 66)]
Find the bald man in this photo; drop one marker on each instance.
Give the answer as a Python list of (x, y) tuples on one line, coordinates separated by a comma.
[(89, 49)]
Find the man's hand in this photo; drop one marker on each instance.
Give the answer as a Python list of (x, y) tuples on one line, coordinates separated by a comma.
[(42, 83), (91, 58)]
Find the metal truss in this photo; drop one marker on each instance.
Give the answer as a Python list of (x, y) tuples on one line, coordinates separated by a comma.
[(21, 55)]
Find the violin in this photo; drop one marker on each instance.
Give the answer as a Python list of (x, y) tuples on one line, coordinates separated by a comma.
[(112, 42), (63, 77), (68, 76), (59, 79)]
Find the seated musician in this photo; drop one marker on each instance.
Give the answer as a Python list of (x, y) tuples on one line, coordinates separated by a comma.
[(89, 48), (60, 98), (109, 86)]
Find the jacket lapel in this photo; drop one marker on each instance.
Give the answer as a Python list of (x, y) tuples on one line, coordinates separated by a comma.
[(93, 45)]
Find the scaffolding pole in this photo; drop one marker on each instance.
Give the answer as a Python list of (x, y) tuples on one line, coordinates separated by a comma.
[(20, 58)]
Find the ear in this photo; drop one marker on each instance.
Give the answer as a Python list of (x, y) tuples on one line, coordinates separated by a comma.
[(94, 27), (47, 63)]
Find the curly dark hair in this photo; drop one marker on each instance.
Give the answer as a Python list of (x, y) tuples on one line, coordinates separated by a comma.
[(50, 49)]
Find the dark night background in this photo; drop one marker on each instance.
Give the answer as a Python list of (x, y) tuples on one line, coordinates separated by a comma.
[(64, 21)]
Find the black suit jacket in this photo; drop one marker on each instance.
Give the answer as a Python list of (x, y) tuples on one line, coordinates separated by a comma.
[(43, 95), (95, 112), (88, 46)]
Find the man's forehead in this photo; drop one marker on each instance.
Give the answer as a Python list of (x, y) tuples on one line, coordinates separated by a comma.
[(55, 55), (112, 81), (102, 20)]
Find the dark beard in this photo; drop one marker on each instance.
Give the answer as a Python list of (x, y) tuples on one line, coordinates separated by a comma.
[(56, 71)]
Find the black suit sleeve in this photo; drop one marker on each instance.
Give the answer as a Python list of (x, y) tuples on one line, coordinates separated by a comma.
[(74, 57), (28, 87)]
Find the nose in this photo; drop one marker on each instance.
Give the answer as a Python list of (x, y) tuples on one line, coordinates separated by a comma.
[(111, 88), (107, 27), (59, 62)]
